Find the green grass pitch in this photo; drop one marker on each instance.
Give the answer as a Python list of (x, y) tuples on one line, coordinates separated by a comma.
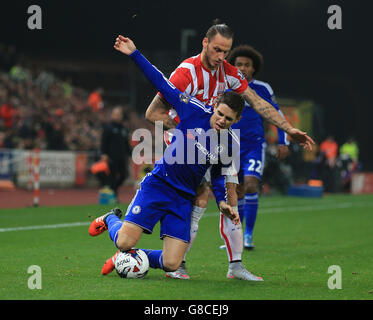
[(297, 240)]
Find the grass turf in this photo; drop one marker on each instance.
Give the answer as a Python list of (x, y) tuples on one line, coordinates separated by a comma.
[(297, 239)]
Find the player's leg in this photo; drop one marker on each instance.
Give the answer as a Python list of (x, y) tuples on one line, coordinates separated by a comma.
[(168, 259), (175, 244), (124, 235), (250, 209), (232, 236), (199, 208), (112, 221), (240, 196), (252, 164), (125, 239), (230, 233), (163, 203), (100, 224), (173, 253), (127, 236), (147, 207), (241, 201), (231, 240)]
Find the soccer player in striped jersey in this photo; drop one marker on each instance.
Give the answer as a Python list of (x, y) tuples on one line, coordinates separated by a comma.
[(166, 194)]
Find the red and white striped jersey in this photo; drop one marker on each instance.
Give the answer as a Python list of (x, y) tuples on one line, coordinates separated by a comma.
[(206, 85), (194, 79)]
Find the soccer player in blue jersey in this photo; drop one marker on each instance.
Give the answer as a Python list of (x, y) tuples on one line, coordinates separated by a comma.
[(167, 193), (126, 234), (249, 61)]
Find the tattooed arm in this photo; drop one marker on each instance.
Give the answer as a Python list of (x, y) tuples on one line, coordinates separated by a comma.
[(158, 111), (266, 110), (269, 113)]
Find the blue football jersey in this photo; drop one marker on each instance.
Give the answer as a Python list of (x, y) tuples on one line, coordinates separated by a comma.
[(195, 145)]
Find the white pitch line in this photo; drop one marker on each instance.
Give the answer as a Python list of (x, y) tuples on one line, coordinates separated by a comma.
[(46, 226), (342, 205)]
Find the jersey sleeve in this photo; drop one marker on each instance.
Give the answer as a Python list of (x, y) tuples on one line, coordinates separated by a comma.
[(181, 79), (267, 93), (236, 80), (173, 95)]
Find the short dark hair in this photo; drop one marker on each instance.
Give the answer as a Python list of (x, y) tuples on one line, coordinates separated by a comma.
[(233, 100), (220, 28), (249, 52)]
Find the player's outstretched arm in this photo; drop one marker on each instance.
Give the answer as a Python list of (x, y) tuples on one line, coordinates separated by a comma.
[(268, 112), (158, 109), (124, 45), (161, 83)]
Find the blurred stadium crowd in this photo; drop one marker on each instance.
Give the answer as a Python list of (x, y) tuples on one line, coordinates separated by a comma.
[(40, 110)]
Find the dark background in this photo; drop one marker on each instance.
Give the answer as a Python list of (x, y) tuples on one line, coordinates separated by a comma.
[(303, 58)]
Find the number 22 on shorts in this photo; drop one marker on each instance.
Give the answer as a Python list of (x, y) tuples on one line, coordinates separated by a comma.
[(255, 165)]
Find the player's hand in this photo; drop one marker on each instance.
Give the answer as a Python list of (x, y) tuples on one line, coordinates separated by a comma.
[(124, 45), (282, 152), (228, 211), (302, 138)]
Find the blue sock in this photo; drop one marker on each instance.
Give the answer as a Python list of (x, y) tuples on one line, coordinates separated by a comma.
[(241, 209), (155, 258), (251, 209), (114, 224)]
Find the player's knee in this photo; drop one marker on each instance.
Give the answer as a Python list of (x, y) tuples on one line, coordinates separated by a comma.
[(240, 191), (171, 263), (202, 196), (123, 244), (251, 185), (126, 241)]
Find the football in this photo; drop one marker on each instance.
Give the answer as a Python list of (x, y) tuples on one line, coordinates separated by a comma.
[(133, 263)]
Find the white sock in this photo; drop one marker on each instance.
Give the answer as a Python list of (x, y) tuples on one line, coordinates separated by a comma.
[(197, 213), (232, 236)]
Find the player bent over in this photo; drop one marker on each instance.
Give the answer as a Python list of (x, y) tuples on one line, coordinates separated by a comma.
[(167, 193)]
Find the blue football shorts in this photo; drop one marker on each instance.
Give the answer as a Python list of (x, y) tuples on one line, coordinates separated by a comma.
[(155, 201), (252, 161)]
